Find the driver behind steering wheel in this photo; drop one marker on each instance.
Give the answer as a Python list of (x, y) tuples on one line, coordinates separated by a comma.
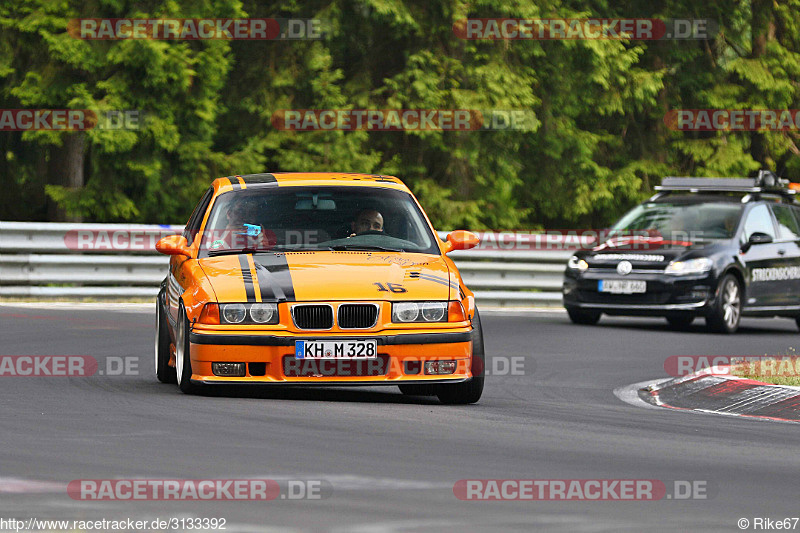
[(367, 220)]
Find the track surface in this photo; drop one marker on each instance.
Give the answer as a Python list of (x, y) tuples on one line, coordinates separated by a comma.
[(393, 460)]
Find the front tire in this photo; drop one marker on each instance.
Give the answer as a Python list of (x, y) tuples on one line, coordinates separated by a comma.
[(183, 360), (469, 391), (727, 310), (164, 372), (583, 317)]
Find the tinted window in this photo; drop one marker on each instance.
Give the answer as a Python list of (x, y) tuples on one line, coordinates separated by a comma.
[(682, 220), (787, 224), (758, 221)]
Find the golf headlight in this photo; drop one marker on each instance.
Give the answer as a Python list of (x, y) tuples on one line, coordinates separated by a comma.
[(577, 264), (256, 313), (690, 267), (419, 312)]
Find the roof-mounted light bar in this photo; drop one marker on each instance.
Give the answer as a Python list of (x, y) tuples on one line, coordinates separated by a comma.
[(765, 182)]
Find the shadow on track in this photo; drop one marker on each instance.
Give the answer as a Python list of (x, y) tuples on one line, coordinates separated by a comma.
[(697, 328), (317, 394)]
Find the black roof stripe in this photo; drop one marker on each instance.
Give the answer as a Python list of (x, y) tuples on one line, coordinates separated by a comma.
[(258, 178)]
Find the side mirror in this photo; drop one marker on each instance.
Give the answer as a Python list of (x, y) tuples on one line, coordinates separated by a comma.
[(460, 240), (760, 238), (757, 238), (174, 245)]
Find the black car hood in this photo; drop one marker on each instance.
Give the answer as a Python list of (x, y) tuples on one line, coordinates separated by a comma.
[(645, 253)]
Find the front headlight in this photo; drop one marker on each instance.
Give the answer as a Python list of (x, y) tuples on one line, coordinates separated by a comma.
[(577, 264), (419, 312), (690, 267), (253, 313)]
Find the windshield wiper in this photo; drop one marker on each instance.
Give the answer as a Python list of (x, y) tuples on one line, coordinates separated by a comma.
[(234, 251), (364, 247)]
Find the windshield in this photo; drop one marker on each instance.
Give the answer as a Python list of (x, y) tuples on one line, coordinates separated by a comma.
[(316, 218), (681, 221)]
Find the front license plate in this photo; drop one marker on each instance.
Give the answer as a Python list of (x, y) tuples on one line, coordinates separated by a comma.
[(622, 286), (363, 349)]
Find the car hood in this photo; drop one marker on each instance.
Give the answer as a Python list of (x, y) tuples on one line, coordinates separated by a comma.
[(649, 253), (328, 276)]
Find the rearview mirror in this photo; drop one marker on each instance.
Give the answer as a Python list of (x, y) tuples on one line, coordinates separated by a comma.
[(174, 245), (461, 240)]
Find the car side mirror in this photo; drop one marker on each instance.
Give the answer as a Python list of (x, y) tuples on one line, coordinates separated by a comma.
[(460, 240), (757, 238), (174, 245)]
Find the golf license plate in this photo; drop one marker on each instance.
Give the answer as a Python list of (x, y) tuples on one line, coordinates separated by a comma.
[(622, 286), (338, 349)]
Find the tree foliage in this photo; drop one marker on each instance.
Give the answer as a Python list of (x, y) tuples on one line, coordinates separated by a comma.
[(598, 145)]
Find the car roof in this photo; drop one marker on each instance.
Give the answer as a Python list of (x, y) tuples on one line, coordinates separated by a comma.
[(698, 199), (306, 179)]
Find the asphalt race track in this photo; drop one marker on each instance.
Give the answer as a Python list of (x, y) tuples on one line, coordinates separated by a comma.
[(392, 460)]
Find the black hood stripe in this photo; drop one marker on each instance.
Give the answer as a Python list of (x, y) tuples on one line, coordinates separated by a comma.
[(235, 183), (247, 278), (274, 277), (270, 290)]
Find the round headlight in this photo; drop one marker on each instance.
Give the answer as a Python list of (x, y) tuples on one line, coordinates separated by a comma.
[(234, 313), (433, 311), (406, 311), (262, 313)]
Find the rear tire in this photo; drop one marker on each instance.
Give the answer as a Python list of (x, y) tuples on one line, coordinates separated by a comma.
[(680, 322), (468, 391), (183, 360), (727, 311), (583, 317), (164, 372)]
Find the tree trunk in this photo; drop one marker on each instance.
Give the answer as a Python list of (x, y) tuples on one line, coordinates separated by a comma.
[(66, 169), (763, 29)]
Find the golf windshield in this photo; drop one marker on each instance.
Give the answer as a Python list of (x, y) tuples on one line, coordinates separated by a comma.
[(682, 220)]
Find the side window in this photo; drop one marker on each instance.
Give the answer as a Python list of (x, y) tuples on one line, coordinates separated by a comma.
[(787, 224), (758, 221), (193, 226)]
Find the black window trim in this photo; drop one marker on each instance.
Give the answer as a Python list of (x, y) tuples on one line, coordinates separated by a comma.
[(193, 226)]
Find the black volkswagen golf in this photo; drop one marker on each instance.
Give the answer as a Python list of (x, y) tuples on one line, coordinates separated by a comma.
[(718, 248)]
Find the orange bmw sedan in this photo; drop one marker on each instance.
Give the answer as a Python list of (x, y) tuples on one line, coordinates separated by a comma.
[(317, 279)]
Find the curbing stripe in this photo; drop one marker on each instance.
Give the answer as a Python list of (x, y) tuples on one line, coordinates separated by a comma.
[(726, 395)]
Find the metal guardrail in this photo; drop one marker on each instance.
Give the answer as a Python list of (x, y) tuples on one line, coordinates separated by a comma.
[(108, 261)]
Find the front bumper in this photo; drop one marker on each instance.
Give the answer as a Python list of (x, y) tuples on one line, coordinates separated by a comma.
[(666, 294), (270, 358)]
